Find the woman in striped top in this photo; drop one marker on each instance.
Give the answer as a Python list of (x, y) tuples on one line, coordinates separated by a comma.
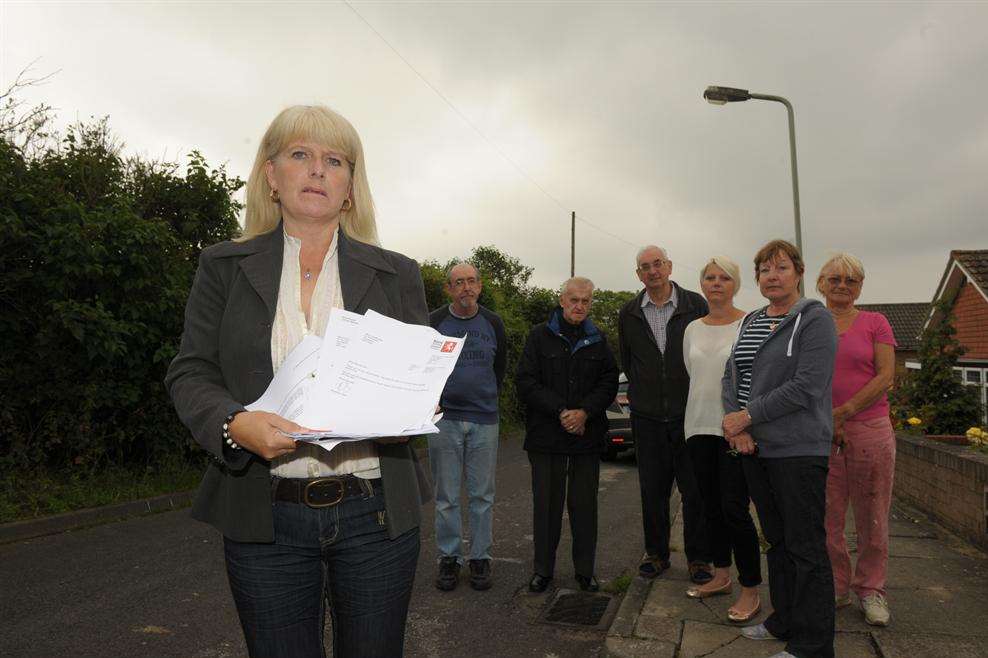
[(776, 392)]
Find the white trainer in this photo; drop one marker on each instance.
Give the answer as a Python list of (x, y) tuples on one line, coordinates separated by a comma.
[(842, 601), (876, 610)]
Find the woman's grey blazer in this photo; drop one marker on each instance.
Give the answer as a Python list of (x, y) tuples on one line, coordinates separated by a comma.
[(224, 362)]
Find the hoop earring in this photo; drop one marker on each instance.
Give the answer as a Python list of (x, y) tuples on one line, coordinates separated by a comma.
[(347, 204), (275, 196)]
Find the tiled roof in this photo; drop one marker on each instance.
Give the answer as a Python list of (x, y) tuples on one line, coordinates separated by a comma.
[(906, 319), (976, 263)]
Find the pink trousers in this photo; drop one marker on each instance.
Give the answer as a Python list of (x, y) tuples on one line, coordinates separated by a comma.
[(862, 474)]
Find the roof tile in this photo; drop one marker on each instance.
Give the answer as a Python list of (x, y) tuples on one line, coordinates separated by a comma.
[(906, 319)]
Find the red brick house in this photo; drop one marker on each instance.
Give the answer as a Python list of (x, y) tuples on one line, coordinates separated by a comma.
[(966, 282)]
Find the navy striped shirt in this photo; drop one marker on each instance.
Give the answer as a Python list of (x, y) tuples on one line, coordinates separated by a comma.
[(757, 331)]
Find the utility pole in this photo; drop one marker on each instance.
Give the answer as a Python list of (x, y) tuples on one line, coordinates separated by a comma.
[(572, 244)]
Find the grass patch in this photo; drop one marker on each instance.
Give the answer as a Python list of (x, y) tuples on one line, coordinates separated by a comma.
[(45, 492), (619, 585)]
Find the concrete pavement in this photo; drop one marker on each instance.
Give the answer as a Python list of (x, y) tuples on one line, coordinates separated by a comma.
[(937, 592)]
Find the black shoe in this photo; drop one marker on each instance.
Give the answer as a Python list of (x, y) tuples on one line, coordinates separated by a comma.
[(480, 574), (449, 574), (538, 583), (700, 572), (588, 584), (651, 567)]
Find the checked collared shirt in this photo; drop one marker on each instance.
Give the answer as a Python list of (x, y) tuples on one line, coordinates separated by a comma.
[(658, 316)]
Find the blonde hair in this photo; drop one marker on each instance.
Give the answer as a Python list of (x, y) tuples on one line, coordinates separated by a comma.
[(579, 282), (843, 263), (730, 268), (322, 125)]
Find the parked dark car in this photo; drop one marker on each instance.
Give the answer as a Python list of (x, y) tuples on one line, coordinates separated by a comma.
[(619, 436)]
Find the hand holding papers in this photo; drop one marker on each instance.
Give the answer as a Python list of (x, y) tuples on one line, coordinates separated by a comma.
[(370, 376)]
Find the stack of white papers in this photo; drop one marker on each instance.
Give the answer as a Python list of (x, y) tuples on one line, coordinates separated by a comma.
[(370, 376)]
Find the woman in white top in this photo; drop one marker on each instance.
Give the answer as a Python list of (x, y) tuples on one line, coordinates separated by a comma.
[(706, 348)]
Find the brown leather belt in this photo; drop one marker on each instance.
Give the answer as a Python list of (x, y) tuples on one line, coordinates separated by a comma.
[(321, 492)]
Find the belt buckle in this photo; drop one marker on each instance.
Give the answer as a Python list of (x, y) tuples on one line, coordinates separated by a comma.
[(339, 484)]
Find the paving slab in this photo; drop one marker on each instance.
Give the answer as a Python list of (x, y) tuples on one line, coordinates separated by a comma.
[(702, 640), (894, 644), (937, 591), (623, 647)]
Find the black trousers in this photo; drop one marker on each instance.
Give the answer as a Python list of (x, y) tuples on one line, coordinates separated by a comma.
[(571, 479), (720, 479), (790, 496), (662, 457)]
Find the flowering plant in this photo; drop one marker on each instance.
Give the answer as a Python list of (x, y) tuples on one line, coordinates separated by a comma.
[(977, 438), (910, 425)]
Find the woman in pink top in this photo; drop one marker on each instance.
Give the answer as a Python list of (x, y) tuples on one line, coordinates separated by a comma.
[(862, 459)]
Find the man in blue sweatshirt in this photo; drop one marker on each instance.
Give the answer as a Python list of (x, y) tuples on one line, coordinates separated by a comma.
[(468, 432)]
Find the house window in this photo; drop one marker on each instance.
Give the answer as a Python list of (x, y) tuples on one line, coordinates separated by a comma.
[(977, 377)]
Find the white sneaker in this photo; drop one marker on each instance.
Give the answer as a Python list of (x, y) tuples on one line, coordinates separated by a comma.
[(876, 610), (757, 632), (842, 601)]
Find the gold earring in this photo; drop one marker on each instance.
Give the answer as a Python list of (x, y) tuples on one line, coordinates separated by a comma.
[(347, 204), (275, 196)]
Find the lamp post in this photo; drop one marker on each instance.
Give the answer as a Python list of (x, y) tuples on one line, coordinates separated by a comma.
[(723, 95)]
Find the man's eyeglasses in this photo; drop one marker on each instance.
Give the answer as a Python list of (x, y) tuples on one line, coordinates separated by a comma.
[(654, 265)]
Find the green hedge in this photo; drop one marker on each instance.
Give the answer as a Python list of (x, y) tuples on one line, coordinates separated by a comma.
[(97, 254)]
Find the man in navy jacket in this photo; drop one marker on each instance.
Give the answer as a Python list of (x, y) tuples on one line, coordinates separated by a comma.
[(566, 378)]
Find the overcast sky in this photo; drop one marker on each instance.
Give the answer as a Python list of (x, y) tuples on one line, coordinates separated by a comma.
[(487, 122)]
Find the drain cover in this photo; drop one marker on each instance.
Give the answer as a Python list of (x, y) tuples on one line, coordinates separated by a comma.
[(577, 608)]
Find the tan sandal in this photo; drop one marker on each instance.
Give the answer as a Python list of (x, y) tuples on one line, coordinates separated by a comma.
[(740, 618), (701, 593)]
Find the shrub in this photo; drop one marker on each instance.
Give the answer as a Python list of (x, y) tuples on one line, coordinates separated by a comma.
[(935, 393), (97, 254)]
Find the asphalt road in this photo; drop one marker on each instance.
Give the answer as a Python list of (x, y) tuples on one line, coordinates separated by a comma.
[(156, 585)]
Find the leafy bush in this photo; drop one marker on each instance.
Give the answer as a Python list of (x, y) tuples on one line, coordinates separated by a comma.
[(97, 254), (934, 394)]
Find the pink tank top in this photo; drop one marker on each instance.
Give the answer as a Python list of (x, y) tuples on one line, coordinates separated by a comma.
[(855, 365)]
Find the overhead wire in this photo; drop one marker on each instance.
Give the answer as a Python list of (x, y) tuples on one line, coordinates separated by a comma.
[(486, 139)]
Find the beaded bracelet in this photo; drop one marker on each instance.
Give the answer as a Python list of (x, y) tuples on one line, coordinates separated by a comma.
[(226, 431)]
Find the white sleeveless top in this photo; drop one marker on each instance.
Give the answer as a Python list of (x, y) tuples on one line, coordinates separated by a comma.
[(706, 349), (289, 328)]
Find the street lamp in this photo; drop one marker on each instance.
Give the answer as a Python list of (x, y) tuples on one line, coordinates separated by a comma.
[(724, 95)]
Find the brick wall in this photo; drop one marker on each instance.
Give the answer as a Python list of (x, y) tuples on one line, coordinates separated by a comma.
[(945, 481), (971, 321)]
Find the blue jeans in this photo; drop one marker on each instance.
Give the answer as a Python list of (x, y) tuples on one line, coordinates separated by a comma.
[(471, 448), (341, 553)]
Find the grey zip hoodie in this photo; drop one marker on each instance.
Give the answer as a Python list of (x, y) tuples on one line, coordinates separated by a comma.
[(791, 376)]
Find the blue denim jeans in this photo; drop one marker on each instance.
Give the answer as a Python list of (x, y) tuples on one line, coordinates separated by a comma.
[(460, 448), (340, 553)]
